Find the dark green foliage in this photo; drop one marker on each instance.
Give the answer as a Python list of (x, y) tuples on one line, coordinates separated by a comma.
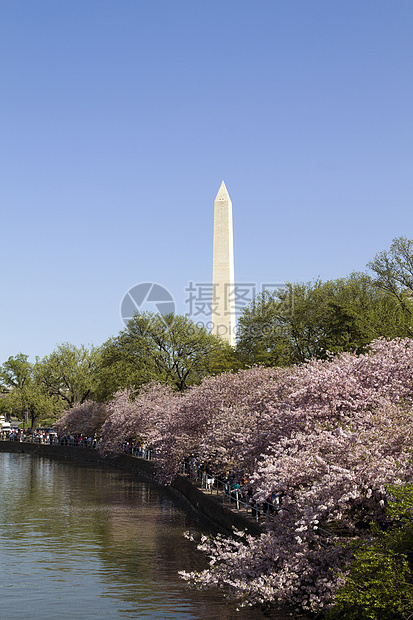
[(380, 583)]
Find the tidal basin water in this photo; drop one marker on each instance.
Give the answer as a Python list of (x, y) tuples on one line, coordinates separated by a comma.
[(84, 542)]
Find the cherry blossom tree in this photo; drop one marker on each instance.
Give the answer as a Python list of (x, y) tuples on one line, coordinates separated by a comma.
[(227, 419), (341, 433), (331, 434), (140, 416), (84, 419)]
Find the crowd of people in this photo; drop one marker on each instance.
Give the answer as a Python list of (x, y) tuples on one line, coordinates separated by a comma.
[(48, 436), (234, 485)]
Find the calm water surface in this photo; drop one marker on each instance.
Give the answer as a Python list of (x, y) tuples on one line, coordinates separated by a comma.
[(83, 542)]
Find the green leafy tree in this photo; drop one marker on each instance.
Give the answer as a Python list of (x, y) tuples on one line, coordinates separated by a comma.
[(306, 320), (16, 372), (225, 359), (26, 397), (70, 373), (394, 273), (170, 349), (32, 403)]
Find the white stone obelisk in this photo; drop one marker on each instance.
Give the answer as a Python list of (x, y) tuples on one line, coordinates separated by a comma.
[(223, 302)]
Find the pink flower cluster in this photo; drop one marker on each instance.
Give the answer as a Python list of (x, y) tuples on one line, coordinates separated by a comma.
[(84, 419), (331, 434)]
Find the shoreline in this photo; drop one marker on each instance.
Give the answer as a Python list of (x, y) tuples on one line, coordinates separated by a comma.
[(207, 505), (220, 517)]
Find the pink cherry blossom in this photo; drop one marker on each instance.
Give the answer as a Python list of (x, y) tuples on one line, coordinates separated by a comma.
[(332, 435)]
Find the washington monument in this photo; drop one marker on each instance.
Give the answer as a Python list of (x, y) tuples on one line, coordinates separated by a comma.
[(223, 302)]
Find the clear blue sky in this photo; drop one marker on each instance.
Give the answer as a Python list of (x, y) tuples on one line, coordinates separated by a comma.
[(120, 118)]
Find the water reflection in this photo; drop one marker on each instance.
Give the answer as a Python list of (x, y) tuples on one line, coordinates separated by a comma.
[(84, 542)]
